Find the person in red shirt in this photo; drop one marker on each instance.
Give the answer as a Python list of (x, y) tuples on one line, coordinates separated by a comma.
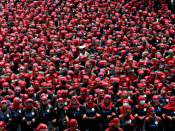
[(76, 72), (49, 77), (132, 63), (89, 72), (170, 56), (35, 74), (130, 74)]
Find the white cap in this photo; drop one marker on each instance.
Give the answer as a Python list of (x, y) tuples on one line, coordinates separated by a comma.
[(82, 47)]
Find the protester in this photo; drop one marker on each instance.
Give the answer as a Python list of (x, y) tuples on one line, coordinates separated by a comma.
[(140, 112), (90, 114), (72, 125), (107, 112), (114, 125), (2, 125), (168, 114), (59, 116), (152, 122), (30, 116), (128, 122), (74, 110), (45, 112), (41, 127), (16, 111), (5, 114)]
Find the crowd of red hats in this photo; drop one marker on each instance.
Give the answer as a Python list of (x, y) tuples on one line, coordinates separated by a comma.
[(89, 65)]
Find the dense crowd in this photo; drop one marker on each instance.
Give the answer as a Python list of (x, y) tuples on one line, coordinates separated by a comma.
[(89, 65)]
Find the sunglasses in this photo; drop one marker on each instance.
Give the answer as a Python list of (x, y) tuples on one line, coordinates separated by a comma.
[(90, 99), (153, 111), (172, 100)]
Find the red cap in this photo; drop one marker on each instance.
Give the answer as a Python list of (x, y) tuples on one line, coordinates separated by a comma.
[(159, 85), (150, 109), (127, 107), (17, 88), (16, 103), (2, 124), (41, 126), (112, 122), (83, 89), (72, 123), (44, 98), (125, 84), (5, 84), (139, 85), (31, 89), (141, 97), (77, 85), (164, 88)]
